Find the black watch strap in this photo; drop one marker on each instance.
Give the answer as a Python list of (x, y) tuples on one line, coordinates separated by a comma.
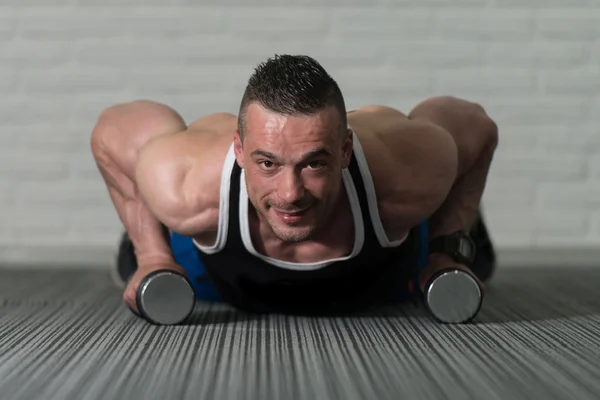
[(446, 244), (453, 246)]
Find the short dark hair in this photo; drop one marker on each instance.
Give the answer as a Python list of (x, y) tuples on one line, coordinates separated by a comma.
[(292, 85)]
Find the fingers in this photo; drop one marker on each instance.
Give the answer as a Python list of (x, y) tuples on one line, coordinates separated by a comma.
[(129, 298), (130, 292)]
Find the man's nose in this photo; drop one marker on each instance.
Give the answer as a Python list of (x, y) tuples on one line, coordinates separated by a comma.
[(291, 187)]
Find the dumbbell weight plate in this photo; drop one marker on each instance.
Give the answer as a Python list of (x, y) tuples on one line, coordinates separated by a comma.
[(453, 296), (165, 298)]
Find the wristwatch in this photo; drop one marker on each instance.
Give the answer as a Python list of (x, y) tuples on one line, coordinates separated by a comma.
[(458, 245)]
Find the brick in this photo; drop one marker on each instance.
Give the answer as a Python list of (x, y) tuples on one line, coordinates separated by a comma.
[(150, 22), (36, 3), (82, 166), (442, 54), (126, 3), (30, 219), (377, 22), (23, 110), (593, 163), (515, 139), (91, 221), (37, 136), (577, 140), (229, 4), (535, 111), (34, 165), (593, 117), (569, 195), (595, 224), (501, 191), (467, 82), (557, 240), (74, 80), (192, 107), (541, 166), (7, 190), (8, 80), (538, 220), (85, 111), (45, 24), (277, 23), (190, 53), (382, 81), (561, 24), (21, 54), (63, 195), (8, 23), (438, 4), (30, 224), (582, 81), (501, 25), (535, 55), (337, 53), (539, 4), (513, 240), (182, 80)]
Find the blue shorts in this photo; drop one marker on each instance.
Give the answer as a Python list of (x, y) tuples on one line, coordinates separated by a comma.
[(188, 257)]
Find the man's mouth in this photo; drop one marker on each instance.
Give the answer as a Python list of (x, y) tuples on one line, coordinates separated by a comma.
[(291, 216)]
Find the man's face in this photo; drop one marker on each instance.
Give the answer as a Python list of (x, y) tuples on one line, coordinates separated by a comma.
[(293, 167)]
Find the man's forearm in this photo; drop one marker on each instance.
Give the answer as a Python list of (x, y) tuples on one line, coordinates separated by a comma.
[(459, 210), (149, 237)]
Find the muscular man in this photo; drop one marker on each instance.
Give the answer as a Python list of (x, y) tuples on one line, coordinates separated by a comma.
[(296, 204)]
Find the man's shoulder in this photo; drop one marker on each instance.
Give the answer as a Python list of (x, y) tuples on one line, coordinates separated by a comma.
[(190, 164), (411, 162)]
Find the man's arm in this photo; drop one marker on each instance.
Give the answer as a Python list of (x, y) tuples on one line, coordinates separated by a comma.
[(179, 182), (476, 138)]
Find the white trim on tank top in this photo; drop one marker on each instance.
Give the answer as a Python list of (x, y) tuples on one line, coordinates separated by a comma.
[(223, 224), (359, 231), (382, 237)]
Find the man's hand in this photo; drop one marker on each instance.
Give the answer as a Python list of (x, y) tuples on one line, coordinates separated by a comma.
[(129, 295), (438, 262)]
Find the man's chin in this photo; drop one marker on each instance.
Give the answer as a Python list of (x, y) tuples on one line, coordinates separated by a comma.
[(293, 234)]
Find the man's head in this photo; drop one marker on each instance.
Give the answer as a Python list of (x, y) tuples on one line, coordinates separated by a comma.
[(293, 143)]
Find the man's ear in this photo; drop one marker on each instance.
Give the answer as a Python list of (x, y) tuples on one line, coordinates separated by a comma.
[(347, 147), (238, 148)]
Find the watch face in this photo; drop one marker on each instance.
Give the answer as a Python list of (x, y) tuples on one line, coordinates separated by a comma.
[(465, 248)]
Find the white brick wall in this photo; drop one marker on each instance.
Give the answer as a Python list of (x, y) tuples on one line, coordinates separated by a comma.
[(534, 64)]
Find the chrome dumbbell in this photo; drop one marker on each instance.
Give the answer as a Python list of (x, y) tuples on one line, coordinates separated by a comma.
[(453, 296)]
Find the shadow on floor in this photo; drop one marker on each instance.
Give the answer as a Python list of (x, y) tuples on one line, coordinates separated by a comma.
[(541, 294), (525, 294)]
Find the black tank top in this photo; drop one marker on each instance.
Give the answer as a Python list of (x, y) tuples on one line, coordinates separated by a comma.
[(255, 283)]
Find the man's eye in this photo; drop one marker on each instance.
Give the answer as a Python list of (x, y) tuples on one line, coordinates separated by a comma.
[(266, 164), (315, 165)]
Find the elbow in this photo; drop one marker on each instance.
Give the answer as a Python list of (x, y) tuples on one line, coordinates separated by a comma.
[(485, 126), (490, 129)]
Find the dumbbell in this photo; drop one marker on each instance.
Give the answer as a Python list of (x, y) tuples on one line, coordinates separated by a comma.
[(165, 297), (453, 296)]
